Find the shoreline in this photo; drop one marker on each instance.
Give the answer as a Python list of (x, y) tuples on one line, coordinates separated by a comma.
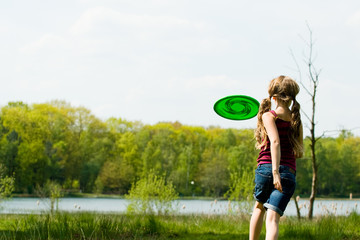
[(114, 196)]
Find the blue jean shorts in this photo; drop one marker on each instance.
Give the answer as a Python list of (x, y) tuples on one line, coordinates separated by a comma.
[(265, 192)]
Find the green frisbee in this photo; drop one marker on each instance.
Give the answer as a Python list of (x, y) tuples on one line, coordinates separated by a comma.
[(237, 107)]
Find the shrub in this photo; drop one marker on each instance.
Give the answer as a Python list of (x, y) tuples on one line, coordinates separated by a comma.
[(6, 184), (151, 194), (241, 190)]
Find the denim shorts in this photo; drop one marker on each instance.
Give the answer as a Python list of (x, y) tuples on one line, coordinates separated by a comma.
[(265, 192)]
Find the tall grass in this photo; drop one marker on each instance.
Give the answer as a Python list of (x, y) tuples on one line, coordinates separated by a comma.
[(65, 225)]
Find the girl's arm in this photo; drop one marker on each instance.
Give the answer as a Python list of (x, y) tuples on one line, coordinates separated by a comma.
[(273, 134)]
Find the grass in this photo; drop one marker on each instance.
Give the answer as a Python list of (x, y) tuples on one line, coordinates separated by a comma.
[(65, 225)]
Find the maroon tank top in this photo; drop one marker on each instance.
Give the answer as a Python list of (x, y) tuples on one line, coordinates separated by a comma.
[(287, 153)]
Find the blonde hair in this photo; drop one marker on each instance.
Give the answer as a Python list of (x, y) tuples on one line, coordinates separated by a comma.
[(284, 89)]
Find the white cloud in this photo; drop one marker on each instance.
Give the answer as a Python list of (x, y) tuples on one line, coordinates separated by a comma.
[(134, 94), (99, 15), (103, 109), (144, 31), (46, 41), (37, 86), (354, 20), (215, 82), (3, 28)]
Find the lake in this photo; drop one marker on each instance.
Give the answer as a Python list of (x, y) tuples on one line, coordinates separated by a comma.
[(113, 205)]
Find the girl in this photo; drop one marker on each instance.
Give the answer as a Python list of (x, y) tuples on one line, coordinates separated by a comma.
[(279, 136)]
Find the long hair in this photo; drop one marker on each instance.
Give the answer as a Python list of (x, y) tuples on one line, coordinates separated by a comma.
[(284, 89)]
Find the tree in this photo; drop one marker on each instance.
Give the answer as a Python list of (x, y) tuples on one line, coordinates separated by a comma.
[(30, 132), (116, 176), (214, 174), (313, 76)]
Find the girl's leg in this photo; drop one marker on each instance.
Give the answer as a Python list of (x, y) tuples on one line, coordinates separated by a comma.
[(272, 225), (256, 221)]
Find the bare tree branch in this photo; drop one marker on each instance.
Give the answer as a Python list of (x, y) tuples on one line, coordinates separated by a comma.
[(296, 63), (308, 118), (299, 72), (318, 138), (355, 128), (339, 130)]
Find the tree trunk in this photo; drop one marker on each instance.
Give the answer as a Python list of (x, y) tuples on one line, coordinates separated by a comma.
[(313, 157), (297, 208), (313, 182)]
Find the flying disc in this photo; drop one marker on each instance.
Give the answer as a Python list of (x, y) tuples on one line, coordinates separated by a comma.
[(237, 107)]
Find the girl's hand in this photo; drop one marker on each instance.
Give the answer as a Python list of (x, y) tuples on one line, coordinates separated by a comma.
[(277, 181)]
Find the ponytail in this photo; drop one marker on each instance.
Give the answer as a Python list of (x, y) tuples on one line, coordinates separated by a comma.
[(295, 117), (295, 127), (260, 133)]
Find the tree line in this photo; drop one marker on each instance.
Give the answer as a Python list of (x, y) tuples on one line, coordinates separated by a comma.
[(70, 146)]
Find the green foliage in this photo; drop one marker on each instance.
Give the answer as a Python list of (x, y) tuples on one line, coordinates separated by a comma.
[(6, 184), (241, 190), (54, 192), (242, 186), (69, 145), (214, 175), (115, 177), (6, 187), (338, 157), (151, 194)]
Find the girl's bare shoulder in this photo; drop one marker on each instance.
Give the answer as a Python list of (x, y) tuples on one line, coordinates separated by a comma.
[(268, 116)]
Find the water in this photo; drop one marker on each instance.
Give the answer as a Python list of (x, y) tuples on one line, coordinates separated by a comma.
[(111, 205)]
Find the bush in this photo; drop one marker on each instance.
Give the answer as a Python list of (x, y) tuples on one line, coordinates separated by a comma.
[(6, 184), (241, 190), (53, 192), (151, 194)]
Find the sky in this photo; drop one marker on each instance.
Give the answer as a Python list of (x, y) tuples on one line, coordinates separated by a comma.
[(171, 60)]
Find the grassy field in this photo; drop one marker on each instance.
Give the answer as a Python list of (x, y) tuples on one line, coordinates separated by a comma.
[(121, 226)]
